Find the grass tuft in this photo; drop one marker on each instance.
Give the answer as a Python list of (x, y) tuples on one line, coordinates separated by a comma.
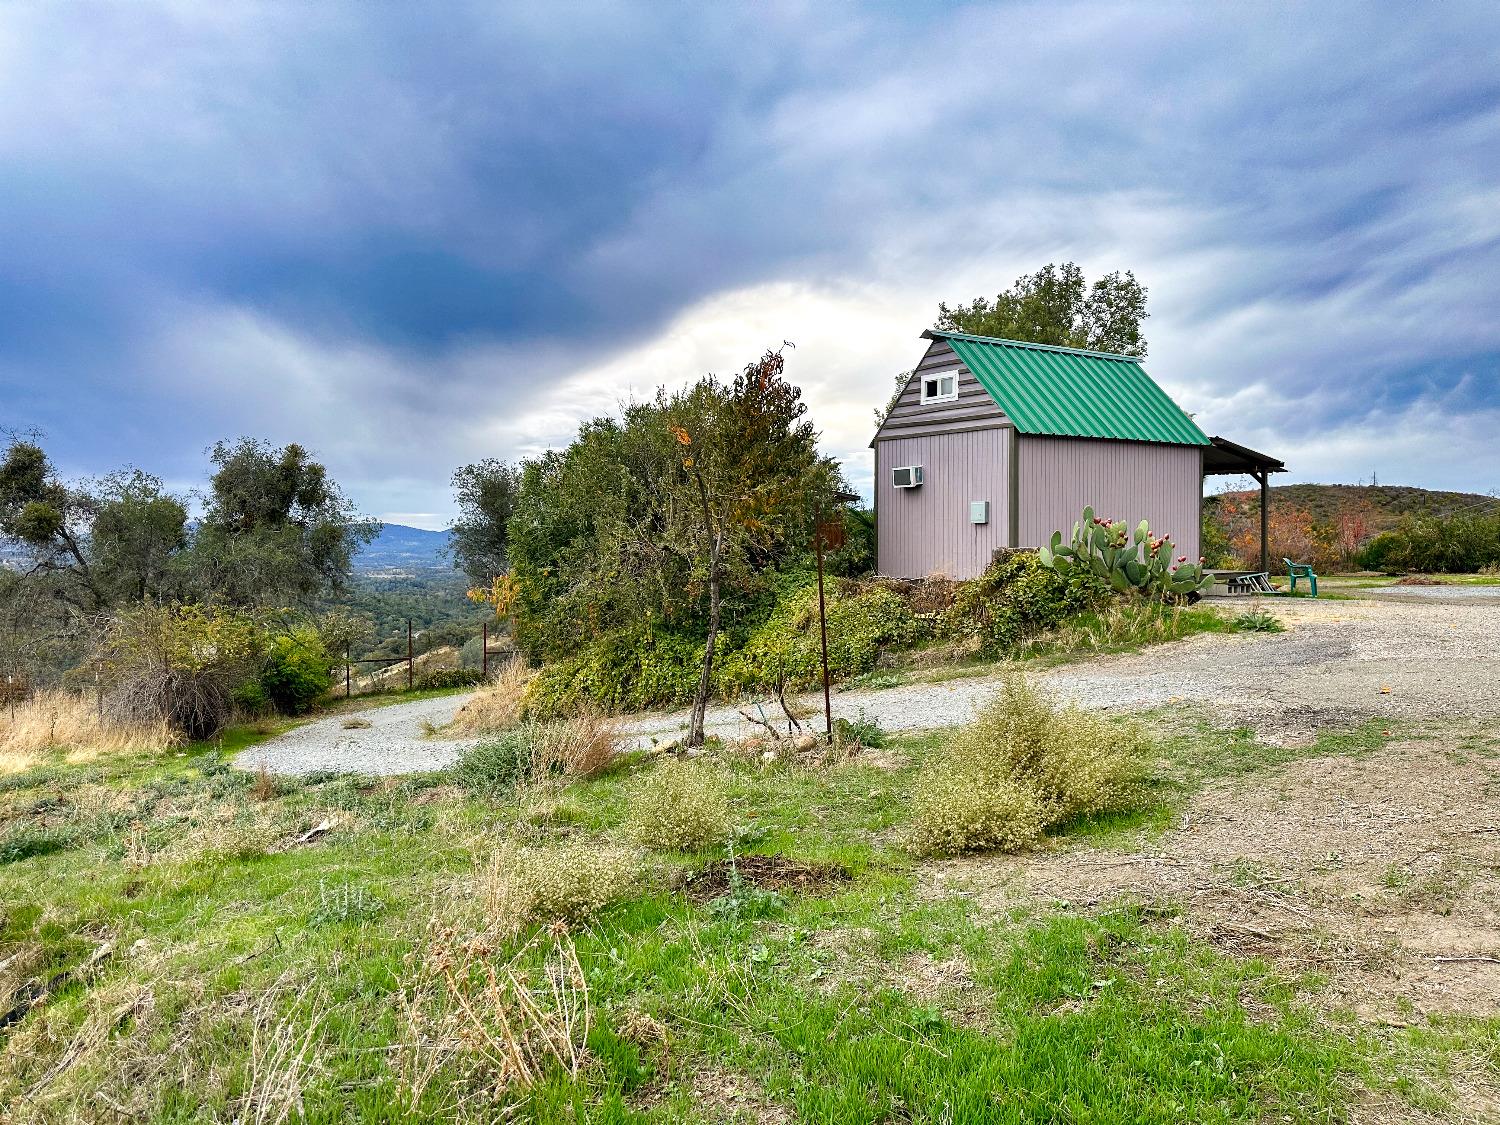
[(577, 748)]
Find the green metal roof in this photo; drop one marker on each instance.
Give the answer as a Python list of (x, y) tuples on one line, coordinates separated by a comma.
[(1069, 392)]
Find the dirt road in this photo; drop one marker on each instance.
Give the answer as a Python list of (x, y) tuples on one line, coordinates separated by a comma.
[(1338, 663)]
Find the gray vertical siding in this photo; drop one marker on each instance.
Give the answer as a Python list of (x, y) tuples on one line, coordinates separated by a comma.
[(1127, 480), (922, 531), (973, 409)]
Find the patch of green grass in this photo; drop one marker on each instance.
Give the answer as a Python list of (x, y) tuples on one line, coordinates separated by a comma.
[(1197, 752), (806, 1000), (1124, 626), (23, 841)]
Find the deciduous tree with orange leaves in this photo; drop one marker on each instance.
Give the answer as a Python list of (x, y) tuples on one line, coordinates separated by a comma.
[(744, 476)]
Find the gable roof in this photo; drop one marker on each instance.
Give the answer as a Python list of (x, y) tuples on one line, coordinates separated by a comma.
[(1070, 392)]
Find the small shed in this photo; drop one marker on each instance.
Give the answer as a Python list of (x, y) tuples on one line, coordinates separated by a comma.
[(998, 443)]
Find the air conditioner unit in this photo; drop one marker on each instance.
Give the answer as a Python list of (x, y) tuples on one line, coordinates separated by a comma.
[(907, 476)]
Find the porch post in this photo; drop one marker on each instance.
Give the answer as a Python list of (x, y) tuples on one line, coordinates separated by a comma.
[(1265, 516)]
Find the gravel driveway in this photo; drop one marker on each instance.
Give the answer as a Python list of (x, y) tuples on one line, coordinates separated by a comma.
[(394, 742), (1339, 662)]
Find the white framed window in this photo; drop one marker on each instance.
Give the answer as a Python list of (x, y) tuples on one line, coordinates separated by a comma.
[(939, 388)]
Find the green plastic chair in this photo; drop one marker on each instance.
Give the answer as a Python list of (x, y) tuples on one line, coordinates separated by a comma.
[(1301, 570)]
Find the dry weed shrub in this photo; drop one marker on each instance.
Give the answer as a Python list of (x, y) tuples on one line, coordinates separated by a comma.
[(569, 882), (1080, 762), (959, 809), (60, 720), (500, 705), (1022, 766), (581, 747), (680, 806), (479, 1030)]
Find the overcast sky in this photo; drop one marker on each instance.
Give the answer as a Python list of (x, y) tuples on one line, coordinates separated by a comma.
[(410, 235)]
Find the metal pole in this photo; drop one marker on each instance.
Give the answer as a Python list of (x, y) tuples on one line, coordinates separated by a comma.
[(347, 692), (484, 640), (408, 655), (1265, 517), (823, 636)]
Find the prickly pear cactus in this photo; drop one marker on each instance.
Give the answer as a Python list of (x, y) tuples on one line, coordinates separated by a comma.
[(1130, 560)]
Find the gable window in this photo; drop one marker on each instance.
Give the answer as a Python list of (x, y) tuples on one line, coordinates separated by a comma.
[(939, 388)]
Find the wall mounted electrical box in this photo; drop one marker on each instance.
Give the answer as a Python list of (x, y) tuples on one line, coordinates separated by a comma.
[(979, 511)]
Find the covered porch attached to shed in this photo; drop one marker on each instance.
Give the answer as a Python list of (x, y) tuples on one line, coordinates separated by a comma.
[(1224, 458)]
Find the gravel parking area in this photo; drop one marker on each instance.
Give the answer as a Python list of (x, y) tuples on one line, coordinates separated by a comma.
[(1338, 663)]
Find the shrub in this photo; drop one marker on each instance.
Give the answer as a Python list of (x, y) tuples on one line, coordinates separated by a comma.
[(444, 679), (1016, 598), (958, 808), (571, 882), (494, 767), (178, 665), (680, 806), (471, 653), (1459, 544), (580, 747), (297, 670), (785, 651), (498, 706), (1079, 762), (1021, 767), (629, 670), (863, 731)]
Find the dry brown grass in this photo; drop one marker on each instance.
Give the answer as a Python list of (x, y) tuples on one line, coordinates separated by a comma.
[(497, 707), (584, 746), (485, 1031), (60, 720), (138, 1044), (281, 1059)]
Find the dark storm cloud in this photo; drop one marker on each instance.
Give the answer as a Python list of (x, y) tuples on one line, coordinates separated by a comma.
[(392, 230)]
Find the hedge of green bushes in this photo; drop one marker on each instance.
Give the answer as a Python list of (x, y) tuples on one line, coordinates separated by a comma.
[(1461, 544), (644, 668)]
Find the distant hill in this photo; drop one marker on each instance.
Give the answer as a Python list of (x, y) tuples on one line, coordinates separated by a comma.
[(399, 547), (1387, 502)]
